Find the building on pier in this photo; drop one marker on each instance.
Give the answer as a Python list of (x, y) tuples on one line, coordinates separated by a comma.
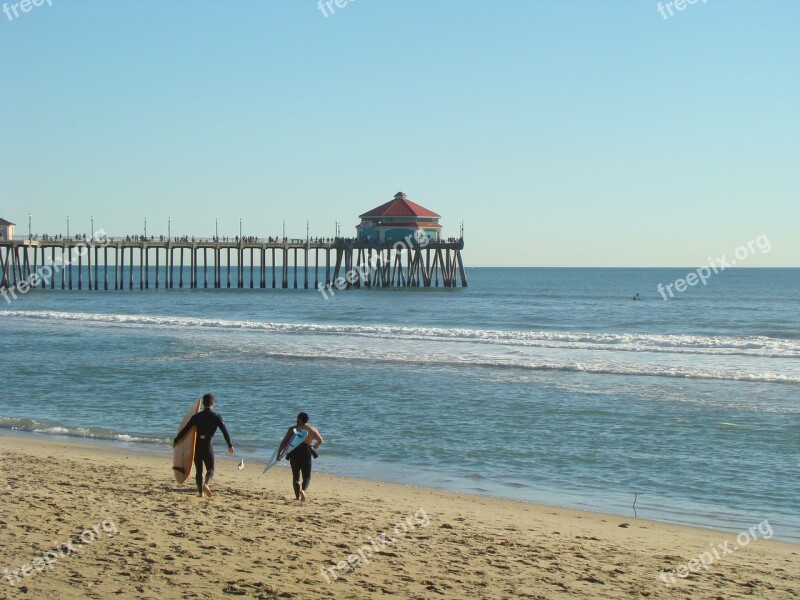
[(6, 230), (397, 221)]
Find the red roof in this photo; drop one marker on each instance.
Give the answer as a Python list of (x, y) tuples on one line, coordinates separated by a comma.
[(401, 206)]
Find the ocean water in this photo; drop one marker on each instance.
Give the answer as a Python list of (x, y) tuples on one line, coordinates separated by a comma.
[(543, 385)]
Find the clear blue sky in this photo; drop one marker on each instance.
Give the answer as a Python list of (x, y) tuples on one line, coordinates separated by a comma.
[(562, 133)]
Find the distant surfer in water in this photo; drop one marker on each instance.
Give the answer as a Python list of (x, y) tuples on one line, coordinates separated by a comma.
[(207, 422), (300, 457)]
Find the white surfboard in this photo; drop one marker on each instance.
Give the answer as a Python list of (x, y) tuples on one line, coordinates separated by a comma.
[(297, 439)]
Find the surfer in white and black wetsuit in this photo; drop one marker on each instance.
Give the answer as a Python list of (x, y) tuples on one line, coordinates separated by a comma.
[(207, 422), (300, 457)]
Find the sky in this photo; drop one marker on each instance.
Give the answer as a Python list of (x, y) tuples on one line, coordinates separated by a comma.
[(562, 133)]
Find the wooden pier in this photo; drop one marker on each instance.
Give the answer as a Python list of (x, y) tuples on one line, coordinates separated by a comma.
[(331, 263)]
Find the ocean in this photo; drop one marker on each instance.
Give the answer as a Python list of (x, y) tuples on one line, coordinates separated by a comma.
[(543, 385)]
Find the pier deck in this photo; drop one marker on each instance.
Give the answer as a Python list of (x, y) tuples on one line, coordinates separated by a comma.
[(113, 263)]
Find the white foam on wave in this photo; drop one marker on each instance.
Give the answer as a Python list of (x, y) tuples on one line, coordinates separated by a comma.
[(760, 346), (538, 363), (56, 430), (31, 426)]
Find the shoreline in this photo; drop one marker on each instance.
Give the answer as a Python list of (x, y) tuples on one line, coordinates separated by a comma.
[(252, 539), (159, 448)]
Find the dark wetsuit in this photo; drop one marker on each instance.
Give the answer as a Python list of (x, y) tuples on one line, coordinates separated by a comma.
[(300, 460), (207, 422)]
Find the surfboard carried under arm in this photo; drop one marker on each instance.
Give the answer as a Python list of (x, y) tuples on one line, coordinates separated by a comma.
[(298, 437), (183, 454)]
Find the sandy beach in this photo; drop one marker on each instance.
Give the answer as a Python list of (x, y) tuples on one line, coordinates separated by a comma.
[(88, 521)]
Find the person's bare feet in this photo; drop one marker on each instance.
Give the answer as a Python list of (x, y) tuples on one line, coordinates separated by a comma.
[(302, 496), (207, 490)]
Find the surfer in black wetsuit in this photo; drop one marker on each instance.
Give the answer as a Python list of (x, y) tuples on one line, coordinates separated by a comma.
[(300, 457), (207, 422)]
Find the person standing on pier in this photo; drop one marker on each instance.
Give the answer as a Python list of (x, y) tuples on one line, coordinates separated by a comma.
[(207, 423), (300, 457)]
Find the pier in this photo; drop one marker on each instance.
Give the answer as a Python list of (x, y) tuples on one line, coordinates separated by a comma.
[(397, 245), (322, 263)]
